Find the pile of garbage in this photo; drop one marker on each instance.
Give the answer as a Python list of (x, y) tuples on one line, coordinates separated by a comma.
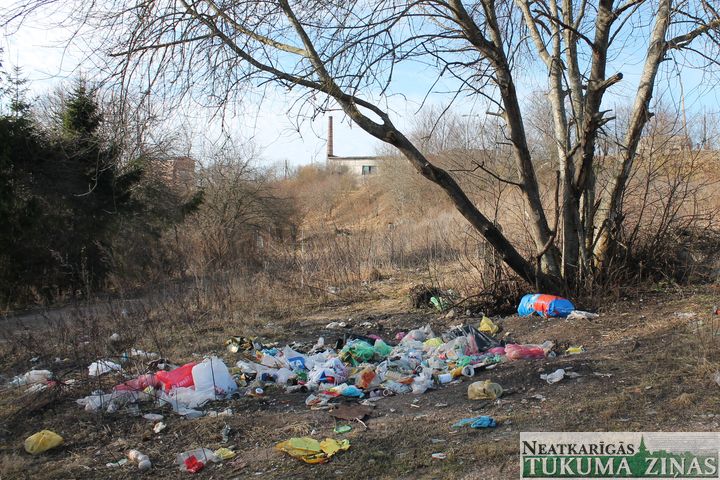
[(357, 367)]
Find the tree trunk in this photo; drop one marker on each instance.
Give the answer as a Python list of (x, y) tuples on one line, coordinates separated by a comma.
[(611, 207)]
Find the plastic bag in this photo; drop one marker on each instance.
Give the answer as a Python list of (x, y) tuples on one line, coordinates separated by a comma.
[(477, 341), (33, 376), (488, 326), (382, 349), (213, 375), (366, 378), (138, 384), (101, 367), (180, 377), (310, 450), (195, 460), (545, 305), (296, 360), (42, 441), (486, 390), (422, 382), (527, 352), (482, 421), (357, 351), (554, 377)]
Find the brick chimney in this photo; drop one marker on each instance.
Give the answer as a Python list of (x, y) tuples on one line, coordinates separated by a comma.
[(330, 137)]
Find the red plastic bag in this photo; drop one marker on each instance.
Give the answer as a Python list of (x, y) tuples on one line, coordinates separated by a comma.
[(193, 465), (180, 377), (524, 352)]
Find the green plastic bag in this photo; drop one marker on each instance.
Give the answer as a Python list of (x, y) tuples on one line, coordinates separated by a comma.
[(382, 349)]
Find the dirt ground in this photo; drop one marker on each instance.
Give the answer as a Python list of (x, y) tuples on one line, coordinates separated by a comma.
[(649, 366)]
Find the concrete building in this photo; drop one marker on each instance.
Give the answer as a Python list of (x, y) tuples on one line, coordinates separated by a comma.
[(358, 166)]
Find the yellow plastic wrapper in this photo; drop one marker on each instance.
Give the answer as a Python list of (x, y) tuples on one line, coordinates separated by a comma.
[(486, 390), (487, 326), (575, 350), (310, 450), (225, 453), (42, 441), (433, 342), (331, 446)]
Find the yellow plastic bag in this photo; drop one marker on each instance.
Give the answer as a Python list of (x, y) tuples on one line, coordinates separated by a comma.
[(225, 453), (42, 441), (487, 326), (331, 446), (310, 450), (486, 390), (575, 350), (433, 342)]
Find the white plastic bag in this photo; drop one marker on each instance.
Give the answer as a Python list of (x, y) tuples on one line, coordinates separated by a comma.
[(213, 375)]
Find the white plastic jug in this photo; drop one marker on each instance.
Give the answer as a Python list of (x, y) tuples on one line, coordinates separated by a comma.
[(213, 375)]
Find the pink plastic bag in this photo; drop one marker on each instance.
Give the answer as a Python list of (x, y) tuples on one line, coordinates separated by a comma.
[(139, 384), (180, 377), (524, 352)]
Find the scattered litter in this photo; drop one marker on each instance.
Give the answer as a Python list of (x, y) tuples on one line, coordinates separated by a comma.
[(153, 417), (31, 377), (142, 460), (159, 427), (582, 315), (226, 433), (101, 367), (545, 306), (572, 374), (439, 456), (685, 314), (527, 352), (554, 377), (236, 344), (310, 450), (42, 441), (335, 325), (604, 375), (486, 390), (483, 421), (539, 397), (437, 440), (195, 460), (441, 405), (119, 463), (225, 453), (342, 429), (575, 350), (115, 337)]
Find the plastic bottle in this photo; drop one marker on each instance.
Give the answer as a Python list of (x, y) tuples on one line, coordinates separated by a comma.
[(142, 460)]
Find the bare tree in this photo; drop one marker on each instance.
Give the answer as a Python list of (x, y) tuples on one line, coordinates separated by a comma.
[(345, 53)]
